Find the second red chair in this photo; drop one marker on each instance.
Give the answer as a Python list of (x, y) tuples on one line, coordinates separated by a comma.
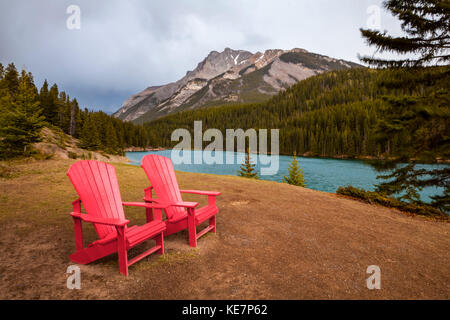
[(180, 214)]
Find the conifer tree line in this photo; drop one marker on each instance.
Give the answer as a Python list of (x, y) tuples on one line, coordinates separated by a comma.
[(24, 110), (331, 115)]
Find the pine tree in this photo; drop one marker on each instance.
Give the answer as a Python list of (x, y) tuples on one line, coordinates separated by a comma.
[(44, 98), (420, 122), (295, 173), (111, 143), (52, 107), (426, 23), (247, 169), (11, 79), (74, 113), (90, 138), (20, 118)]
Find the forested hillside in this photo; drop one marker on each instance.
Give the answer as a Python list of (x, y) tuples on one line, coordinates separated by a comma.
[(24, 110), (333, 114)]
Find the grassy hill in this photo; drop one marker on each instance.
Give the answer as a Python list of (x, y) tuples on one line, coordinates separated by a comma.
[(307, 245)]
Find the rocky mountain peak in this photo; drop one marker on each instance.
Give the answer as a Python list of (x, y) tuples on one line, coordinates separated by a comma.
[(230, 76)]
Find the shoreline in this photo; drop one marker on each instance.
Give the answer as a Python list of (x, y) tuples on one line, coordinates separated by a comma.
[(305, 155), (137, 149)]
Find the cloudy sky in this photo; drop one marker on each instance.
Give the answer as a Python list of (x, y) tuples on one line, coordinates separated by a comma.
[(122, 47)]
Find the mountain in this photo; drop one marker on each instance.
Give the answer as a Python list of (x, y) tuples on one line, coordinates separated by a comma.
[(229, 77)]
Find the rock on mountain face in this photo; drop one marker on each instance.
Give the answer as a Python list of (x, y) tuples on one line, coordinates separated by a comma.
[(231, 76)]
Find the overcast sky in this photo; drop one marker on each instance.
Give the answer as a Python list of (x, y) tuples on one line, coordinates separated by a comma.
[(124, 46)]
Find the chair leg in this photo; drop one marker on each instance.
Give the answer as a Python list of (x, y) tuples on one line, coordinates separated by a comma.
[(160, 242), (122, 251), (212, 223), (192, 232), (78, 234)]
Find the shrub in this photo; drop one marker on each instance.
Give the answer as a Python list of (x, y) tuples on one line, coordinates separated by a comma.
[(378, 198)]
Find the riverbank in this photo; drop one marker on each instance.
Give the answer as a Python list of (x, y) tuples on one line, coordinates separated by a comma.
[(138, 149), (304, 155), (274, 241)]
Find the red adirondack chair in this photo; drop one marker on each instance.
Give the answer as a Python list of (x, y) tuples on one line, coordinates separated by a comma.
[(98, 190), (161, 174)]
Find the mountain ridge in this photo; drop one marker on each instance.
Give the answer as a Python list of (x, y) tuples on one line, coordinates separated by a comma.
[(227, 77)]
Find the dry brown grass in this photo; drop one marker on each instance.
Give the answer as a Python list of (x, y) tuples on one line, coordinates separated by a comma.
[(274, 241)]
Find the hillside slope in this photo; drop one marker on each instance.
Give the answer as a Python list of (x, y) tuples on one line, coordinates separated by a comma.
[(229, 77), (307, 245), (55, 144)]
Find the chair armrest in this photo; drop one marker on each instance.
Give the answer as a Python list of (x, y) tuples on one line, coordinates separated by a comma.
[(203, 193), (184, 204), (146, 205), (109, 222)]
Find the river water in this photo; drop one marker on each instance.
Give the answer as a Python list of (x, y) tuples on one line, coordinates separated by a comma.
[(321, 174)]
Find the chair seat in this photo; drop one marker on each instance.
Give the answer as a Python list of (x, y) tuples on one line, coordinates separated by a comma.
[(136, 234), (201, 215), (205, 213)]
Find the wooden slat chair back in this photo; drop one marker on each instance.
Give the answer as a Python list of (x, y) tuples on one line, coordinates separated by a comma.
[(98, 190), (162, 177), (97, 186), (180, 215)]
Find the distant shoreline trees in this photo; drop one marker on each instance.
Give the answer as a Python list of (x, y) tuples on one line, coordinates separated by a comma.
[(329, 115)]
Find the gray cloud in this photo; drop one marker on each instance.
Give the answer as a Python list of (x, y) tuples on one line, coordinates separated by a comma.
[(125, 46)]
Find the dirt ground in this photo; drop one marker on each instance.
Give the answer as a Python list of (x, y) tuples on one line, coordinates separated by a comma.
[(274, 241)]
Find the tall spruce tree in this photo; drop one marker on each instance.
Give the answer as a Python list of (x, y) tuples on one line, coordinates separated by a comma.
[(90, 137), (11, 79), (247, 169), (52, 107), (74, 116), (111, 143), (295, 177), (20, 117), (421, 122)]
